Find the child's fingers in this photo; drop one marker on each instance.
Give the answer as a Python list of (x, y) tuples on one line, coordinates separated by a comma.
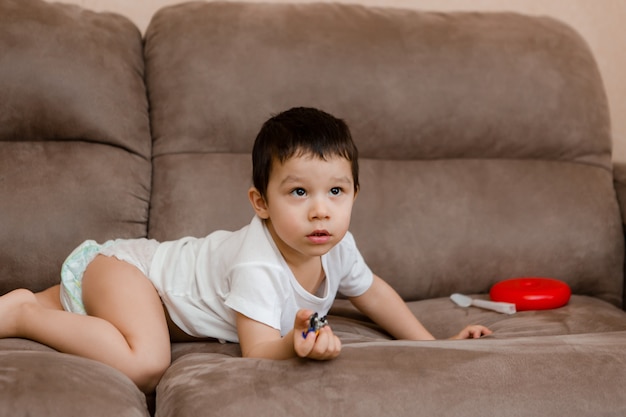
[(334, 345), (303, 345), (320, 345), (304, 341), (486, 331), (327, 345), (302, 318), (476, 331), (301, 322)]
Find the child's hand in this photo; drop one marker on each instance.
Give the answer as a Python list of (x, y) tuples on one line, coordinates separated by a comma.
[(473, 331), (323, 346)]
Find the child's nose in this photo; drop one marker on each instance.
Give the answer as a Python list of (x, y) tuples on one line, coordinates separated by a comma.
[(319, 209)]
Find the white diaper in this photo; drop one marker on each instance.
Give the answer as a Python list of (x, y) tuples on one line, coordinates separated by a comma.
[(137, 252)]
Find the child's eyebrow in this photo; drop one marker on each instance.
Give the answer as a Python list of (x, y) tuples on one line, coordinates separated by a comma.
[(290, 179), (344, 179), (294, 179)]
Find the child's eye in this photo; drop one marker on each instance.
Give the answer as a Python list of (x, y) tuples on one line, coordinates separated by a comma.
[(298, 192), (336, 190)]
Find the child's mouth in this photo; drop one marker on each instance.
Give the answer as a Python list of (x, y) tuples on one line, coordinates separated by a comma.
[(319, 236)]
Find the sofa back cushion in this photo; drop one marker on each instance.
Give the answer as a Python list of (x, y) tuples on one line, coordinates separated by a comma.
[(75, 143), (484, 138)]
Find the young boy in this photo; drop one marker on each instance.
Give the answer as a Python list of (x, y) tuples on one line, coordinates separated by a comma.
[(123, 301)]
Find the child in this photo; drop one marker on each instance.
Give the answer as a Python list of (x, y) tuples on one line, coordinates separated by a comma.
[(257, 286)]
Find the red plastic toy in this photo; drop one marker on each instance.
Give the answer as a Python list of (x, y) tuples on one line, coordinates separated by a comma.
[(532, 293)]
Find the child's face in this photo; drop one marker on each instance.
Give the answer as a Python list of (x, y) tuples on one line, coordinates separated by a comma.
[(308, 205)]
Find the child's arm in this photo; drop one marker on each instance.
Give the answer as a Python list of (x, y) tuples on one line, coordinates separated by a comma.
[(258, 340), (384, 306)]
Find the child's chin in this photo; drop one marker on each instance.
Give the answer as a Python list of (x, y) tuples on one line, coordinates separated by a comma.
[(319, 250)]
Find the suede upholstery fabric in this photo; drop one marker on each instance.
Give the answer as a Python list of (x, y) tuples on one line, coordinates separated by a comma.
[(65, 385), (75, 164), (458, 191), (75, 142), (462, 225), (411, 85), (485, 155), (619, 182), (532, 376)]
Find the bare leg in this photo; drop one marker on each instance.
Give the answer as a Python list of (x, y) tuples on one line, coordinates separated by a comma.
[(125, 328), (10, 306), (50, 298)]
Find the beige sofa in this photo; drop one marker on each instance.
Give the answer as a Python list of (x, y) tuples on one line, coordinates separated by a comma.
[(485, 155)]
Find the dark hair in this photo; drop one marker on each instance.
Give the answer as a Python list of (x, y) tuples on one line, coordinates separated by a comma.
[(300, 131)]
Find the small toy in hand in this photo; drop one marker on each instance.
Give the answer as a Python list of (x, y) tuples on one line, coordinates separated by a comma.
[(315, 324)]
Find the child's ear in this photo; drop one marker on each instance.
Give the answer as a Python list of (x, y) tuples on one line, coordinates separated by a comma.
[(258, 203)]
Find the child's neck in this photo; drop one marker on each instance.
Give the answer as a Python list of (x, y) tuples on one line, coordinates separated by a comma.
[(310, 275), (307, 270)]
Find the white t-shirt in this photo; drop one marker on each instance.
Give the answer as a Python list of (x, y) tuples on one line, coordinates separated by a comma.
[(204, 281)]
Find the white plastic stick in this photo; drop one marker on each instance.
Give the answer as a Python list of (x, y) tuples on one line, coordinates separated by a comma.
[(506, 308)]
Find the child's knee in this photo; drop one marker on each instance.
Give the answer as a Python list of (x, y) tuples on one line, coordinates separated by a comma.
[(148, 373)]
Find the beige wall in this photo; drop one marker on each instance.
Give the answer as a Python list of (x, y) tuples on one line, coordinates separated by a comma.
[(601, 23)]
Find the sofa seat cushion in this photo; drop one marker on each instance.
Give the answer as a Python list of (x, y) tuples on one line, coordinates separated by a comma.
[(13, 344), (55, 384), (410, 378), (582, 315)]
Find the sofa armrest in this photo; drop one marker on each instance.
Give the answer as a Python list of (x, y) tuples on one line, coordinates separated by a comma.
[(619, 181)]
